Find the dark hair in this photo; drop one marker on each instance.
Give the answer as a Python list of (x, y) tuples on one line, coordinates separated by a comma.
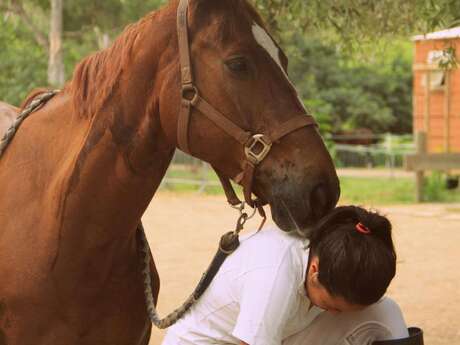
[(353, 265)]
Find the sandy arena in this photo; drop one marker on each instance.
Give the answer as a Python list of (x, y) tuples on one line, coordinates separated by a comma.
[(184, 229)]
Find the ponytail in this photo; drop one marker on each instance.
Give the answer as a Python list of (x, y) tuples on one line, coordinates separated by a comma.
[(357, 259)]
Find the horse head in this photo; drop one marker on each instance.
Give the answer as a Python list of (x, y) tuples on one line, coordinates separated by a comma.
[(238, 68)]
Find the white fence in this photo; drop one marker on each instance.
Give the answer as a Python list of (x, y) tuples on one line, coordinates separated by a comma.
[(385, 152)]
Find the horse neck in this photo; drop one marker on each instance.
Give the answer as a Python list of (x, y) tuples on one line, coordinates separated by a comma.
[(120, 165), (103, 189), (126, 152), (121, 162)]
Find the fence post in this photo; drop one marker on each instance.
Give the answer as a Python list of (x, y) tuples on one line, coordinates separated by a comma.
[(421, 147), (390, 156), (203, 176)]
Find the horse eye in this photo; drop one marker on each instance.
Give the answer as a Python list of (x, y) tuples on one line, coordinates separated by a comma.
[(238, 65)]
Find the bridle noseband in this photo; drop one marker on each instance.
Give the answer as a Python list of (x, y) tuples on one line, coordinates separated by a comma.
[(256, 147)]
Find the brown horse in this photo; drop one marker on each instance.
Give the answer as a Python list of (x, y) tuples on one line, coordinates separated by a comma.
[(81, 171), (7, 115)]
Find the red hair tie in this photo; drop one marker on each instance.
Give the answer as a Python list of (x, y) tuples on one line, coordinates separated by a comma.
[(360, 227)]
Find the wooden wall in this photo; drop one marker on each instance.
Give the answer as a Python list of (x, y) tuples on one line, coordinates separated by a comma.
[(439, 127)]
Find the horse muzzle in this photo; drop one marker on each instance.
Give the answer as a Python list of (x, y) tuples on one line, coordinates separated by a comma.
[(297, 207)]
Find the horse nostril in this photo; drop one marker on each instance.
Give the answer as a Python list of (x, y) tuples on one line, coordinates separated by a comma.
[(320, 201)]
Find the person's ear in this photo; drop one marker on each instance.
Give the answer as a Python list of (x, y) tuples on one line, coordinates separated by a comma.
[(313, 269), (314, 265)]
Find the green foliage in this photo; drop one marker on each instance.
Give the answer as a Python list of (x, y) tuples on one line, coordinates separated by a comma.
[(358, 21), (345, 94), (108, 15), (23, 64), (434, 189)]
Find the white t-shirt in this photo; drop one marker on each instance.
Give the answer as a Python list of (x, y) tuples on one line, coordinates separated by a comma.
[(258, 295)]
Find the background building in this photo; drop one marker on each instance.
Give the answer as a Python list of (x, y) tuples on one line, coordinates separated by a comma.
[(437, 89)]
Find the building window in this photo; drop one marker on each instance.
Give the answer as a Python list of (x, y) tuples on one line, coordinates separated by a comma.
[(435, 60)]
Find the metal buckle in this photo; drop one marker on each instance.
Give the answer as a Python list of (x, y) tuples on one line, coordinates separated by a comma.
[(241, 208), (258, 148), (189, 93)]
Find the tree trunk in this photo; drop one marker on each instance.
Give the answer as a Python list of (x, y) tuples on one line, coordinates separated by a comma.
[(56, 65), (103, 38)]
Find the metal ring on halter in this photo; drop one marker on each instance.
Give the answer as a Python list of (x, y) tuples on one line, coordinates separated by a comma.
[(241, 208), (190, 93)]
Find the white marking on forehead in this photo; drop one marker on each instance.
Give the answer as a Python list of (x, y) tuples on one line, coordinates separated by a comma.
[(266, 42)]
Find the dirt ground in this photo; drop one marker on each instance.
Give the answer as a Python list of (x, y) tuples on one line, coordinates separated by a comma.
[(184, 229)]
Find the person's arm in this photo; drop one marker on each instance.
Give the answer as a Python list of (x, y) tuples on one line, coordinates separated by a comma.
[(243, 343)]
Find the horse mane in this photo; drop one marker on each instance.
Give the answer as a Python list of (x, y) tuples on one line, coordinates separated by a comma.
[(96, 76)]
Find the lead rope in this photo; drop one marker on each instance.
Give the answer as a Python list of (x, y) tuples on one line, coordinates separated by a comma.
[(36, 104), (228, 244)]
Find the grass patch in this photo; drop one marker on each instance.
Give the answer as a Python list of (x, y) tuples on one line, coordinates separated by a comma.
[(355, 190), (376, 190)]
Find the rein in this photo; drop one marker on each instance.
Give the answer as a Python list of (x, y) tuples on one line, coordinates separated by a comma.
[(228, 244)]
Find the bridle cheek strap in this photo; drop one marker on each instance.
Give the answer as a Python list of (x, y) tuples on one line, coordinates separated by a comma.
[(221, 121), (183, 125), (256, 147), (190, 95)]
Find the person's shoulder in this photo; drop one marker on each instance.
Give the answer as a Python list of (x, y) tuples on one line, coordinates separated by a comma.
[(390, 314), (273, 237), (272, 245)]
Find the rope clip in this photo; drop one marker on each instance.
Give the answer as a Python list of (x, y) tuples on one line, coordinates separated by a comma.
[(241, 209)]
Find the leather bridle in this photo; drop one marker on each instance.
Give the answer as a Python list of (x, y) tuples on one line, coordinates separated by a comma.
[(256, 147)]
